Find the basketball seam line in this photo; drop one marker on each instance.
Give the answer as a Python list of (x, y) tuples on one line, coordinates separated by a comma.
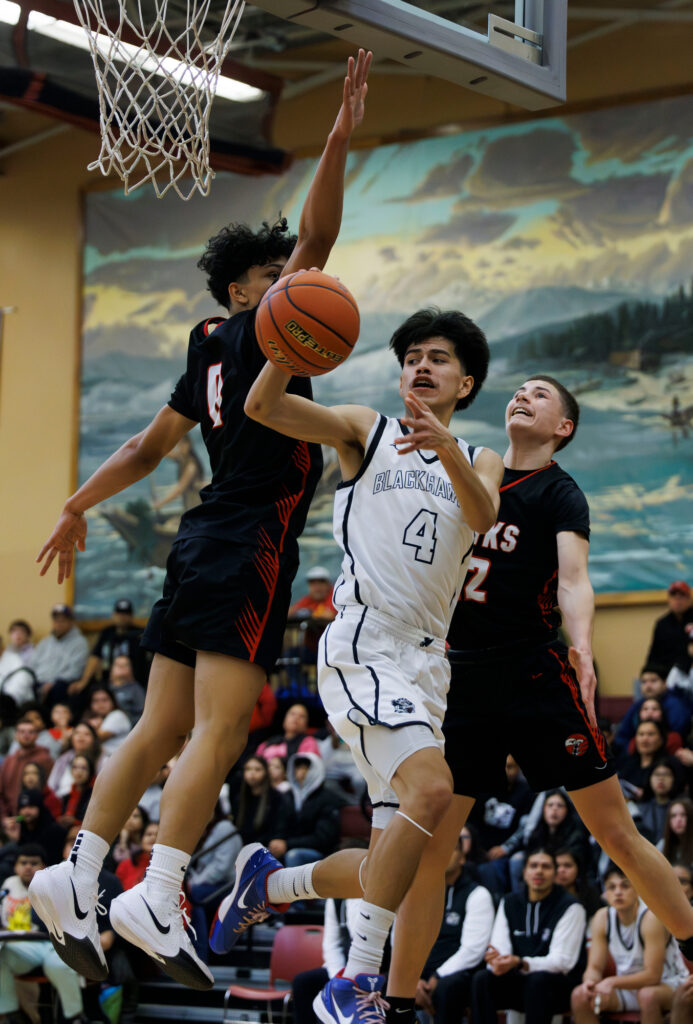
[(317, 320)]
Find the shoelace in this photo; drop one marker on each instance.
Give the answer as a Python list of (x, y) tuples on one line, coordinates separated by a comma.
[(179, 908), (97, 904), (371, 1006), (254, 916)]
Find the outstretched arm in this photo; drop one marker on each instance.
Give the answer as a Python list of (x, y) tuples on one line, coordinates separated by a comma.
[(322, 211), (476, 487), (134, 460), (576, 601)]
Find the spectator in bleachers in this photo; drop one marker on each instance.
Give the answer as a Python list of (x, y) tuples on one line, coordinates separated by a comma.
[(60, 656), (33, 712), (12, 767), (653, 684), (276, 766), (341, 773), (83, 740), (497, 816), (677, 844), (75, 804), (558, 827), (684, 873), (649, 966), (445, 986), (636, 768), (571, 874), (536, 944), (652, 710), (671, 631), (132, 869), (314, 826), (150, 801), (120, 636), (17, 958), (261, 813), (61, 724), (110, 723), (129, 840), (17, 679), (34, 777), (664, 785), (317, 606), (34, 824), (127, 692), (294, 738), (262, 716), (680, 678), (8, 717)]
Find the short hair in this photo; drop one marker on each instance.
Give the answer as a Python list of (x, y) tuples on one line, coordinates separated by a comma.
[(655, 670), (468, 341), (612, 868), (31, 850), (233, 250), (569, 403), (540, 849), (21, 624)]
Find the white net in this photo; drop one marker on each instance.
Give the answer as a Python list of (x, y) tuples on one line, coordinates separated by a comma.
[(157, 73)]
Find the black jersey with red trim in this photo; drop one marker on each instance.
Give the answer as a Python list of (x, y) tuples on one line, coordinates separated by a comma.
[(510, 592), (261, 480)]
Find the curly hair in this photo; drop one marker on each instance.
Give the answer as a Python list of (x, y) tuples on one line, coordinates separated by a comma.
[(230, 254), (468, 340)]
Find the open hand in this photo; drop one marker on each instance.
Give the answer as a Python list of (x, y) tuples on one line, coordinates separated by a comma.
[(70, 532), (425, 429), (583, 665), (352, 110)]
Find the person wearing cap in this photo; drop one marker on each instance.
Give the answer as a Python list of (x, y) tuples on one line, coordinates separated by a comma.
[(60, 656), (120, 636), (13, 766), (671, 631), (315, 605)]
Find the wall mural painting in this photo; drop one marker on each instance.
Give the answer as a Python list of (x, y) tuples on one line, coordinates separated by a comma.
[(570, 240)]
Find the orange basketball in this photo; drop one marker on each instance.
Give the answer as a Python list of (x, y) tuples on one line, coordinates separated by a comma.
[(307, 323)]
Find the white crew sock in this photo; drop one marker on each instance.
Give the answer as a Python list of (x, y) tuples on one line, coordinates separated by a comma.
[(166, 871), (87, 856), (370, 933), (290, 884)]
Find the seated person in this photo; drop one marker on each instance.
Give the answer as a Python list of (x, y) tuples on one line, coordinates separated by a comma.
[(129, 840), (127, 692), (316, 604), (60, 657), (653, 684), (61, 724), (17, 958), (677, 844), (75, 804), (664, 785), (680, 678), (651, 710), (313, 830), (649, 966), (498, 816), (570, 873), (120, 636), (445, 986), (33, 712), (110, 723), (341, 773), (276, 766), (558, 827), (671, 630), (34, 777), (260, 812), (12, 767), (17, 679), (650, 748), (83, 740), (34, 824), (294, 738), (536, 943), (132, 870)]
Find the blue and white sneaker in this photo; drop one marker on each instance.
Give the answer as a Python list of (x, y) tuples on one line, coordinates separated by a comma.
[(247, 902), (358, 1001)]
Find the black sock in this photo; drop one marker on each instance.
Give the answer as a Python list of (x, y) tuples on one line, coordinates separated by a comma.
[(686, 947), (402, 1011)]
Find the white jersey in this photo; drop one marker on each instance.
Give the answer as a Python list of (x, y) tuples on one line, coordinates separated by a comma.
[(627, 949), (405, 542)]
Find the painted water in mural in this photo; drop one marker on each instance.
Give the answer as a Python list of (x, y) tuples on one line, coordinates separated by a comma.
[(570, 240)]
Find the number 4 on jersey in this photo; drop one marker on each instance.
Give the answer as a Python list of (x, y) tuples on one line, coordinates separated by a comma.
[(421, 534)]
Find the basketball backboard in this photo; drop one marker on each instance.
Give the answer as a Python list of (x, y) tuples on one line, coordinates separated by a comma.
[(522, 62)]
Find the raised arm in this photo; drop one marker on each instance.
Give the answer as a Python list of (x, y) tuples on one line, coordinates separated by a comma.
[(135, 459), (321, 216), (576, 601)]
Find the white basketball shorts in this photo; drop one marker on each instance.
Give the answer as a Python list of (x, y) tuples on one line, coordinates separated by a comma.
[(384, 687)]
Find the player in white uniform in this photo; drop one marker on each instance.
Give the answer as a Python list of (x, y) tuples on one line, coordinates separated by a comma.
[(649, 966), (405, 515)]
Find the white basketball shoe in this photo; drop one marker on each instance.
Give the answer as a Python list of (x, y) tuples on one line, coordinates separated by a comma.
[(68, 907)]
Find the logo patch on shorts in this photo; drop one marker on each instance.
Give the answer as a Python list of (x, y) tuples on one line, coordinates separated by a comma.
[(577, 744), (403, 706)]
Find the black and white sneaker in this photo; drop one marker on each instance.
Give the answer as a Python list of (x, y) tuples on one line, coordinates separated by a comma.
[(158, 927), (69, 910)]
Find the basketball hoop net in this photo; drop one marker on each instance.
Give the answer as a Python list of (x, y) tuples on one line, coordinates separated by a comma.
[(155, 95)]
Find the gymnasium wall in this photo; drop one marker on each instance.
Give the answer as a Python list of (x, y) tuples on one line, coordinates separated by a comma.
[(40, 261)]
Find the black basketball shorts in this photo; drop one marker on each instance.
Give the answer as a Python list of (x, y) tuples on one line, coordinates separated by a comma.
[(528, 704), (221, 597)]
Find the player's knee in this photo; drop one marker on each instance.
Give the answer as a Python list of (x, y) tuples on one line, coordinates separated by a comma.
[(579, 998), (648, 998), (429, 800), (617, 838)]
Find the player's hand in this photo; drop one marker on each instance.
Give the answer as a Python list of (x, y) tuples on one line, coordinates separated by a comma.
[(424, 993), (606, 986), (584, 670), (491, 954), (70, 532), (352, 109), (426, 430), (503, 964)]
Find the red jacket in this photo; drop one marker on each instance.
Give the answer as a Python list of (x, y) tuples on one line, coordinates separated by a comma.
[(11, 775)]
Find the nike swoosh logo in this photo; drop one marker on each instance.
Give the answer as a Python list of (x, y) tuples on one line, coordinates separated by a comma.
[(600, 768), (293, 886), (340, 1016), (79, 913), (164, 929), (366, 917), (402, 1011), (241, 899)]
